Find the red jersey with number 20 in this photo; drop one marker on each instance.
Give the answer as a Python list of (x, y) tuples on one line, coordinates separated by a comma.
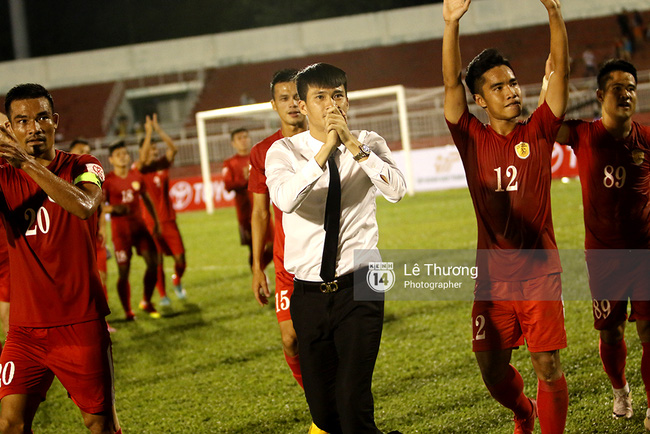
[(54, 278), (615, 179), (509, 179)]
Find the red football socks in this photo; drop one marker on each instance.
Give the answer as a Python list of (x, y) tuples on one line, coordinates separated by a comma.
[(294, 365), (509, 392), (160, 283), (645, 368), (179, 270), (613, 358), (552, 405), (124, 291)]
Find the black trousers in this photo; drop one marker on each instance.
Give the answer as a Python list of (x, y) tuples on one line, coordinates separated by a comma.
[(338, 342)]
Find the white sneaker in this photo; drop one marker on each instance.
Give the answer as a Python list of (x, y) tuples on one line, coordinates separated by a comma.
[(165, 301), (622, 403), (646, 422)]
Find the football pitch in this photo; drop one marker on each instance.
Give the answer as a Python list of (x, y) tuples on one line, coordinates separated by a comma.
[(214, 363)]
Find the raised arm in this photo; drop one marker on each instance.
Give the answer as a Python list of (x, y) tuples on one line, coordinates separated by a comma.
[(80, 200), (172, 150), (455, 102), (145, 149), (557, 92)]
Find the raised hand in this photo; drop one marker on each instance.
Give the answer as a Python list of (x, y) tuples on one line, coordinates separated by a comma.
[(10, 148), (551, 4), (453, 10)]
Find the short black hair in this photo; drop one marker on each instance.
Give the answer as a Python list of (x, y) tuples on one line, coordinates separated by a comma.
[(27, 91), (282, 76), (78, 141), (321, 75), (614, 65), (115, 146), (237, 131), (486, 60)]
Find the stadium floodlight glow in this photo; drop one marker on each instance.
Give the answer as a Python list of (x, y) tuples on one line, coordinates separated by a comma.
[(201, 117)]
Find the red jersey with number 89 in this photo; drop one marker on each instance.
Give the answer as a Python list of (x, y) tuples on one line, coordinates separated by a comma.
[(54, 278), (509, 179), (615, 179)]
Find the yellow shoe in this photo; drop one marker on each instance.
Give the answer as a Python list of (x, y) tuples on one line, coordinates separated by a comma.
[(148, 307), (313, 429)]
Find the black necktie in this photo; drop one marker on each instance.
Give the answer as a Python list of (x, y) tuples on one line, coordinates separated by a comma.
[(332, 223)]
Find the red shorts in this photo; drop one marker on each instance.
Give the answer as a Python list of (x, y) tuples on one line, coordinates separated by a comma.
[(169, 242), (614, 277), (79, 355), (283, 293), (129, 234), (504, 323), (102, 257)]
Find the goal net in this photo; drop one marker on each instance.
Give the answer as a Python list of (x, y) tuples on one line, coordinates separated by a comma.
[(383, 110)]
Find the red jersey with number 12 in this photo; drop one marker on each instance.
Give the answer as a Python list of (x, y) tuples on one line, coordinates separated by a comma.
[(509, 179), (54, 278)]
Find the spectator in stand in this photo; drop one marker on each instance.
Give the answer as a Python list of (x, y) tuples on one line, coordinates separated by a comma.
[(155, 172), (235, 177), (589, 58)]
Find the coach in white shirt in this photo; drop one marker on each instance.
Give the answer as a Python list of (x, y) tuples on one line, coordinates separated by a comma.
[(338, 334)]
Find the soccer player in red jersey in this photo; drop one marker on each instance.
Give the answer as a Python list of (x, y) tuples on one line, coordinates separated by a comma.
[(123, 189), (82, 147), (284, 99), (57, 327), (507, 163), (4, 266), (155, 172), (235, 177), (614, 164)]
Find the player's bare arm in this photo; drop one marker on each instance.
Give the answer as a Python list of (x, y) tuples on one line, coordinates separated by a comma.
[(557, 93), (80, 200), (455, 102), (172, 150), (145, 149), (259, 224)]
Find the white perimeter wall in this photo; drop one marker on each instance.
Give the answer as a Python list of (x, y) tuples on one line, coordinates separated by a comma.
[(289, 41)]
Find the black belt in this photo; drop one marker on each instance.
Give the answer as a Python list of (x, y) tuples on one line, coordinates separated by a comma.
[(341, 282)]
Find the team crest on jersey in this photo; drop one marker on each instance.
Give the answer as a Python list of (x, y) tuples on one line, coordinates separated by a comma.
[(522, 150), (96, 169), (638, 156), (135, 185)]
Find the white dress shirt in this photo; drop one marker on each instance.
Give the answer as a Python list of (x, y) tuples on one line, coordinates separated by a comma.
[(298, 186)]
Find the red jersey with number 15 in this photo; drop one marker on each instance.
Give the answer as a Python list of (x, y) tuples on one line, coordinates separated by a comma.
[(54, 278), (125, 191), (615, 179), (509, 179)]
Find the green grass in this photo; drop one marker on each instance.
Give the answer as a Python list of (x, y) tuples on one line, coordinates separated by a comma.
[(215, 364)]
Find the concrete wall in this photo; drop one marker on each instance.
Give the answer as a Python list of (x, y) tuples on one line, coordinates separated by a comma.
[(289, 41)]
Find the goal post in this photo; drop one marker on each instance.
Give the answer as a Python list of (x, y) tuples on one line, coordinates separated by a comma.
[(397, 91)]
